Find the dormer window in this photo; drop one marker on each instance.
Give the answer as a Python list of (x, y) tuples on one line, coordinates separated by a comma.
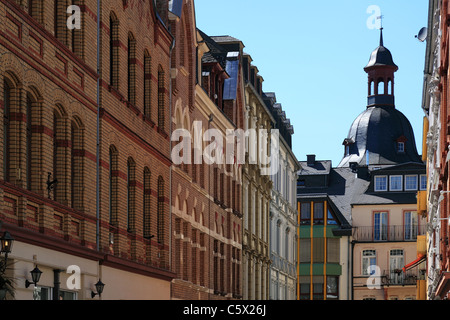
[(380, 183), (396, 183), (400, 144)]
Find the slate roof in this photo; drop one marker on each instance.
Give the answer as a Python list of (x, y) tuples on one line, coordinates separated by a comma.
[(346, 189), (319, 167), (381, 56), (375, 133)]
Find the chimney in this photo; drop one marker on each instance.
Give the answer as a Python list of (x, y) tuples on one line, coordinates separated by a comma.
[(311, 160)]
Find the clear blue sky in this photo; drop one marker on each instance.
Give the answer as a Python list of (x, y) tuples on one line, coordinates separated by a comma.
[(312, 56)]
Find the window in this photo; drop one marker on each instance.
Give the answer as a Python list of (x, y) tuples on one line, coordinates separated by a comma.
[(113, 185), (305, 213), (330, 218), (411, 182), (411, 225), (78, 35), (395, 183), (60, 155), (41, 293), (332, 288), (131, 71), (76, 180), (369, 262), (305, 250), (380, 226), (423, 182), (59, 18), (400, 147), (29, 139), (6, 130), (160, 218), (131, 194), (161, 98), (147, 84), (35, 9), (114, 51), (305, 287), (318, 212), (396, 263), (333, 250), (147, 203), (318, 250), (318, 287), (380, 183)]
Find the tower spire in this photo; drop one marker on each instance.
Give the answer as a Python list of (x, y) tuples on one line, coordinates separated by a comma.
[(381, 30), (381, 37)]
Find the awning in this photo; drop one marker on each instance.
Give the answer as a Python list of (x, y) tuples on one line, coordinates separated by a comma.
[(415, 263)]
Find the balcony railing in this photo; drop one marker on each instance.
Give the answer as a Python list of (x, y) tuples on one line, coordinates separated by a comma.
[(400, 278), (388, 233)]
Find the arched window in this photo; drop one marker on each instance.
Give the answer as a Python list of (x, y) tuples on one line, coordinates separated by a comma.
[(147, 203), (6, 129), (77, 165), (160, 218), (113, 185), (390, 92), (380, 86), (161, 98), (114, 51), (60, 146), (32, 142), (147, 84), (131, 74), (131, 195)]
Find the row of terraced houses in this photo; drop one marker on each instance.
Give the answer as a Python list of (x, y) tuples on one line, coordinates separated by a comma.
[(87, 180)]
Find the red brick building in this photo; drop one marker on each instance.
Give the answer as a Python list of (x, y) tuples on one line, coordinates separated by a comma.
[(100, 128), (207, 224)]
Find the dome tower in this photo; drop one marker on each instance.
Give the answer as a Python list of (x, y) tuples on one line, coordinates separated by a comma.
[(381, 135)]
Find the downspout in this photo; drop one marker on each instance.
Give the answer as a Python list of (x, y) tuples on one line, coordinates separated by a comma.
[(170, 168), (351, 273), (97, 209)]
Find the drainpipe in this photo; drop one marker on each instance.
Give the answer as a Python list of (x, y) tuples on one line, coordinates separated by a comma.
[(56, 283), (170, 168), (351, 273), (97, 205)]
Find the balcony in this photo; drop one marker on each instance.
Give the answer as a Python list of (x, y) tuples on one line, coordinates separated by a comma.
[(388, 233), (399, 278)]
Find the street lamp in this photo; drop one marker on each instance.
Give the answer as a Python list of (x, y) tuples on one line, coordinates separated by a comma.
[(99, 286), (6, 243), (35, 277)]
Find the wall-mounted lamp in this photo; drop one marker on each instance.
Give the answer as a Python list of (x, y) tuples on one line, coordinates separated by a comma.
[(99, 286), (35, 277), (6, 242)]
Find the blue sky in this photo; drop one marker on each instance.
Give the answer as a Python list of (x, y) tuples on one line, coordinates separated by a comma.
[(312, 56)]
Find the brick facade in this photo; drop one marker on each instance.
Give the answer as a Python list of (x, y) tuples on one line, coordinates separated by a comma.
[(206, 218), (54, 119)]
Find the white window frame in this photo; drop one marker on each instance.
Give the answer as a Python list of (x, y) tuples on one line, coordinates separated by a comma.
[(400, 147), (371, 262), (420, 182), (401, 183), (406, 185), (376, 186)]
